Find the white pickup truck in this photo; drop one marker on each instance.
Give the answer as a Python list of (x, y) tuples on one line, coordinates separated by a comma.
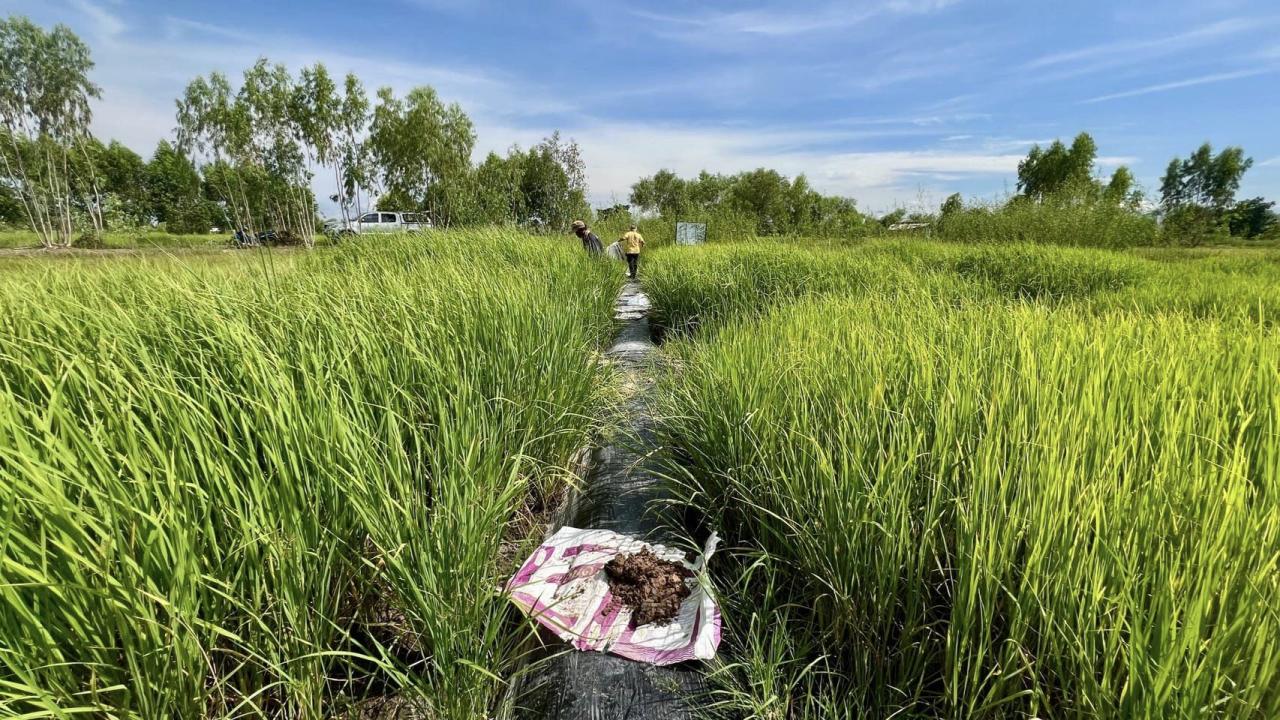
[(379, 222)]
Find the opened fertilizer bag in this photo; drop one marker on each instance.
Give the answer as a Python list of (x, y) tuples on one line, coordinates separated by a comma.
[(564, 587)]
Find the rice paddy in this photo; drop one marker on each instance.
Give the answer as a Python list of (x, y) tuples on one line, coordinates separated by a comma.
[(270, 485), (963, 481), (982, 482)]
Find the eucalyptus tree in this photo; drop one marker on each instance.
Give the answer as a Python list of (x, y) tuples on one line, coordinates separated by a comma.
[(554, 181), (1045, 173), (316, 113), (123, 175), (498, 196), (1197, 194), (332, 125), (210, 127), (1205, 179), (45, 114), (423, 150), (278, 143), (354, 171), (262, 139), (664, 192), (952, 205)]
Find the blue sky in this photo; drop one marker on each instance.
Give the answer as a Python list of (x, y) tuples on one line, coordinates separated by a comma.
[(892, 102)]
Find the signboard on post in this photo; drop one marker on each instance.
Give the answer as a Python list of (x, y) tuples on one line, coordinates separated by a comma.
[(691, 233)]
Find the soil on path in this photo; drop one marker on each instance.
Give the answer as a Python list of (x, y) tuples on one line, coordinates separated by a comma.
[(651, 587)]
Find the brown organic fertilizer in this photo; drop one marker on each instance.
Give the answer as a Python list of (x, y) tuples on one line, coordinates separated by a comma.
[(652, 587)]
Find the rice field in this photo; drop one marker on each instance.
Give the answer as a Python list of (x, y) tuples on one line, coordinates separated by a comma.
[(963, 481), (284, 484), (982, 482)]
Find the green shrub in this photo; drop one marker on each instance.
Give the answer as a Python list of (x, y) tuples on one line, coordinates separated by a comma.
[(1192, 225), (1051, 223)]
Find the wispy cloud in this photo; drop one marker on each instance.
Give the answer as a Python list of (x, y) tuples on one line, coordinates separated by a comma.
[(828, 17), (105, 23), (1100, 57), (753, 22), (1005, 144), (1273, 162), (178, 29), (618, 153), (922, 120), (1179, 84)]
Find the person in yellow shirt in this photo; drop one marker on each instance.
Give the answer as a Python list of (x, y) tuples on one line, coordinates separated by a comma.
[(632, 242)]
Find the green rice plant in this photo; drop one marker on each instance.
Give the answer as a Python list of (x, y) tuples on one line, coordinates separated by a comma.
[(1205, 292), (264, 484), (128, 239), (973, 484), (1033, 272), (988, 510), (693, 287), (714, 283), (1234, 260)]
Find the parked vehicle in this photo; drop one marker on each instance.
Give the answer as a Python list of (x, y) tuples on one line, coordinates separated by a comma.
[(378, 222), (242, 239)]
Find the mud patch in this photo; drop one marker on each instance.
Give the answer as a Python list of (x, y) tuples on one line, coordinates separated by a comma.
[(652, 587)]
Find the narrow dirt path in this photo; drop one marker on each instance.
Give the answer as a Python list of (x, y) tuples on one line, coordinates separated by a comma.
[(618, 495)]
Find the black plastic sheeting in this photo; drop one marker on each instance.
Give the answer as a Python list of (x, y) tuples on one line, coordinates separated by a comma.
[(619, 494)]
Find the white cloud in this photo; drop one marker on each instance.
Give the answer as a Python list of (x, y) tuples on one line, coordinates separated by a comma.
[(755, 22), (617, 154), (106, 23), (1273, 162), (703, 27), (1100, 57), (921, 121), (1178, 84)]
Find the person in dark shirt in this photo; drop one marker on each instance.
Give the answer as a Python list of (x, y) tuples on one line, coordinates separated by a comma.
[(590, 242)]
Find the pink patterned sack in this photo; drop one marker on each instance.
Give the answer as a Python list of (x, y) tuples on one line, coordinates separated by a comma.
[(563, 586)]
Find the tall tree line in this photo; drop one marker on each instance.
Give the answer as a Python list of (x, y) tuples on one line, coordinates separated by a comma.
[(768, 200), (45, 110), (247, 156), (1059, 183)]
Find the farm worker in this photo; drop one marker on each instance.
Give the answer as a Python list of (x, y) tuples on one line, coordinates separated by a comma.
[(632, 242), (590, 242)]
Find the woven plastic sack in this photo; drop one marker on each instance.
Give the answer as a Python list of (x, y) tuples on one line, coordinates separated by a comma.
[(563, 586)]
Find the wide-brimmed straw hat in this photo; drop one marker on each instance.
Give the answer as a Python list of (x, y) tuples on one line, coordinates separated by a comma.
[(579, 225)]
